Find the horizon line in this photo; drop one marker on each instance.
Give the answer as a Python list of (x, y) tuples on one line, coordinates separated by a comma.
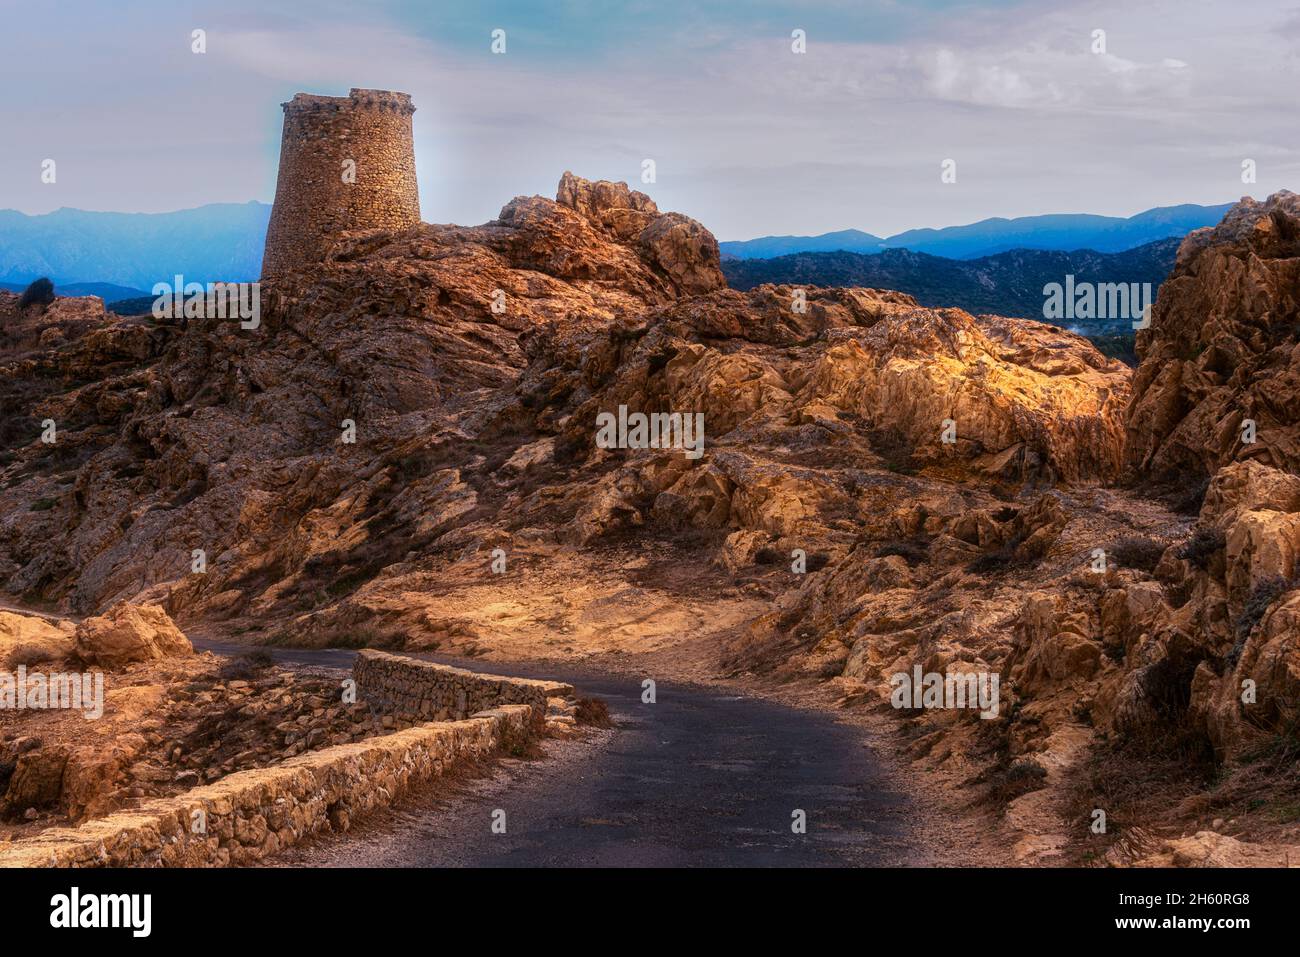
[(986, 219)]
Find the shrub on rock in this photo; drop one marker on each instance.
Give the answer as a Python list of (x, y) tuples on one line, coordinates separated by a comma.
[(39, 293)]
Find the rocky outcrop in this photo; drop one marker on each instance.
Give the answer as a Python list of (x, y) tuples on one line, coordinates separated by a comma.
[(1215, 397), (1221, 349), (37, 327), (404, 454), (128, 633), (451, 350), (27, 639), (1020, 400), (679, 246), (199, 434)]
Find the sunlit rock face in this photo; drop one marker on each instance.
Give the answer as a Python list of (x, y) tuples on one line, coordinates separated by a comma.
[(471, 364), (1220, 370), (406, 453)]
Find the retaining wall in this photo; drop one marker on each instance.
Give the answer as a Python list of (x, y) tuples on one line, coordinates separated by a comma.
[(252, 814), (421, 690)]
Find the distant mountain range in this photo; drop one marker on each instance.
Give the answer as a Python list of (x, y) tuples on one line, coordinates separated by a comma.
[(986, 266), (104, 290), (1006, 284), (769, 247), (1064, 231), (221, 241)]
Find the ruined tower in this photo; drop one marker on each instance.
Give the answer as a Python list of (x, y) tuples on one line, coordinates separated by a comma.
[(346, 162)]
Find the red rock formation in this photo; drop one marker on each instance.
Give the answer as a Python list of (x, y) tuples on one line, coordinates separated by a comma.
[(474, 363), (1222, 348)]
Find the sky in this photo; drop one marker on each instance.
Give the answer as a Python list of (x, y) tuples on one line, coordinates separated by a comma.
[(747, 136)]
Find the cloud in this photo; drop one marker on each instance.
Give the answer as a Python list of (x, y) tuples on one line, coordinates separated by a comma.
[(1041, 77), (747, 136)]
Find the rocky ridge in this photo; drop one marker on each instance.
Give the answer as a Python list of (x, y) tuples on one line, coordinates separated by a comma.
[(947, 478)]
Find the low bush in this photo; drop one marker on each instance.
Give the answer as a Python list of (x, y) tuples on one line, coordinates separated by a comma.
[(1201, 548), (1142, 554), (594, 712), (1010, 555), (39, 293), (27, 655), (246, 666), (1020, 777), (914, 553)]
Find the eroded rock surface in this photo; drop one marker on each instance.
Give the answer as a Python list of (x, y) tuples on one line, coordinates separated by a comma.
[(1222, 348), (403, 454), (128, 633)]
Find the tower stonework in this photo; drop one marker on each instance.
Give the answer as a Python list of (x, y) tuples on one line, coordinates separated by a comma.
[(314, 199)]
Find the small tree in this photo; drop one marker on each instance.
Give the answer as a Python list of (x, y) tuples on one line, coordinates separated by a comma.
[(39, 293)]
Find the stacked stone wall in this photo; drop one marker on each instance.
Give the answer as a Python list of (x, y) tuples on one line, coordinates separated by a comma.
[(246, 817), (416, 690)]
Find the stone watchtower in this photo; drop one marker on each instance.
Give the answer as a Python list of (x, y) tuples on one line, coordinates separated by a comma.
[(346, 162)]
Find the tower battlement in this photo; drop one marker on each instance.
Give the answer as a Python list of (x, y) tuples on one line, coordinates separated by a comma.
[(346, 162), (355, 100)]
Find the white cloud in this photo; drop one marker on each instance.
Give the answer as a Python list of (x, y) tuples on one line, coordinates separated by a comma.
[(748, 137)]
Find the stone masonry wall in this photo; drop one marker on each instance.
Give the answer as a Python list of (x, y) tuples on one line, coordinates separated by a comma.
[(253, 814), (421, 690), (313, 201)]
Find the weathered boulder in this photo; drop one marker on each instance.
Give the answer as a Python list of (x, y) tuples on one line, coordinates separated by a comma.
[(1248, 486), (1128, 613), (1203, 849), (1258, 696), (25, 639), (89, 778), (1261, 545), (128, 633), (1055, 645), (37, 780), (1010, 398)]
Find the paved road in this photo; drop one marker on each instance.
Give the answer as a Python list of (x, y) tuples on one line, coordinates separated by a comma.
[(700, 778), (48, 616)]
